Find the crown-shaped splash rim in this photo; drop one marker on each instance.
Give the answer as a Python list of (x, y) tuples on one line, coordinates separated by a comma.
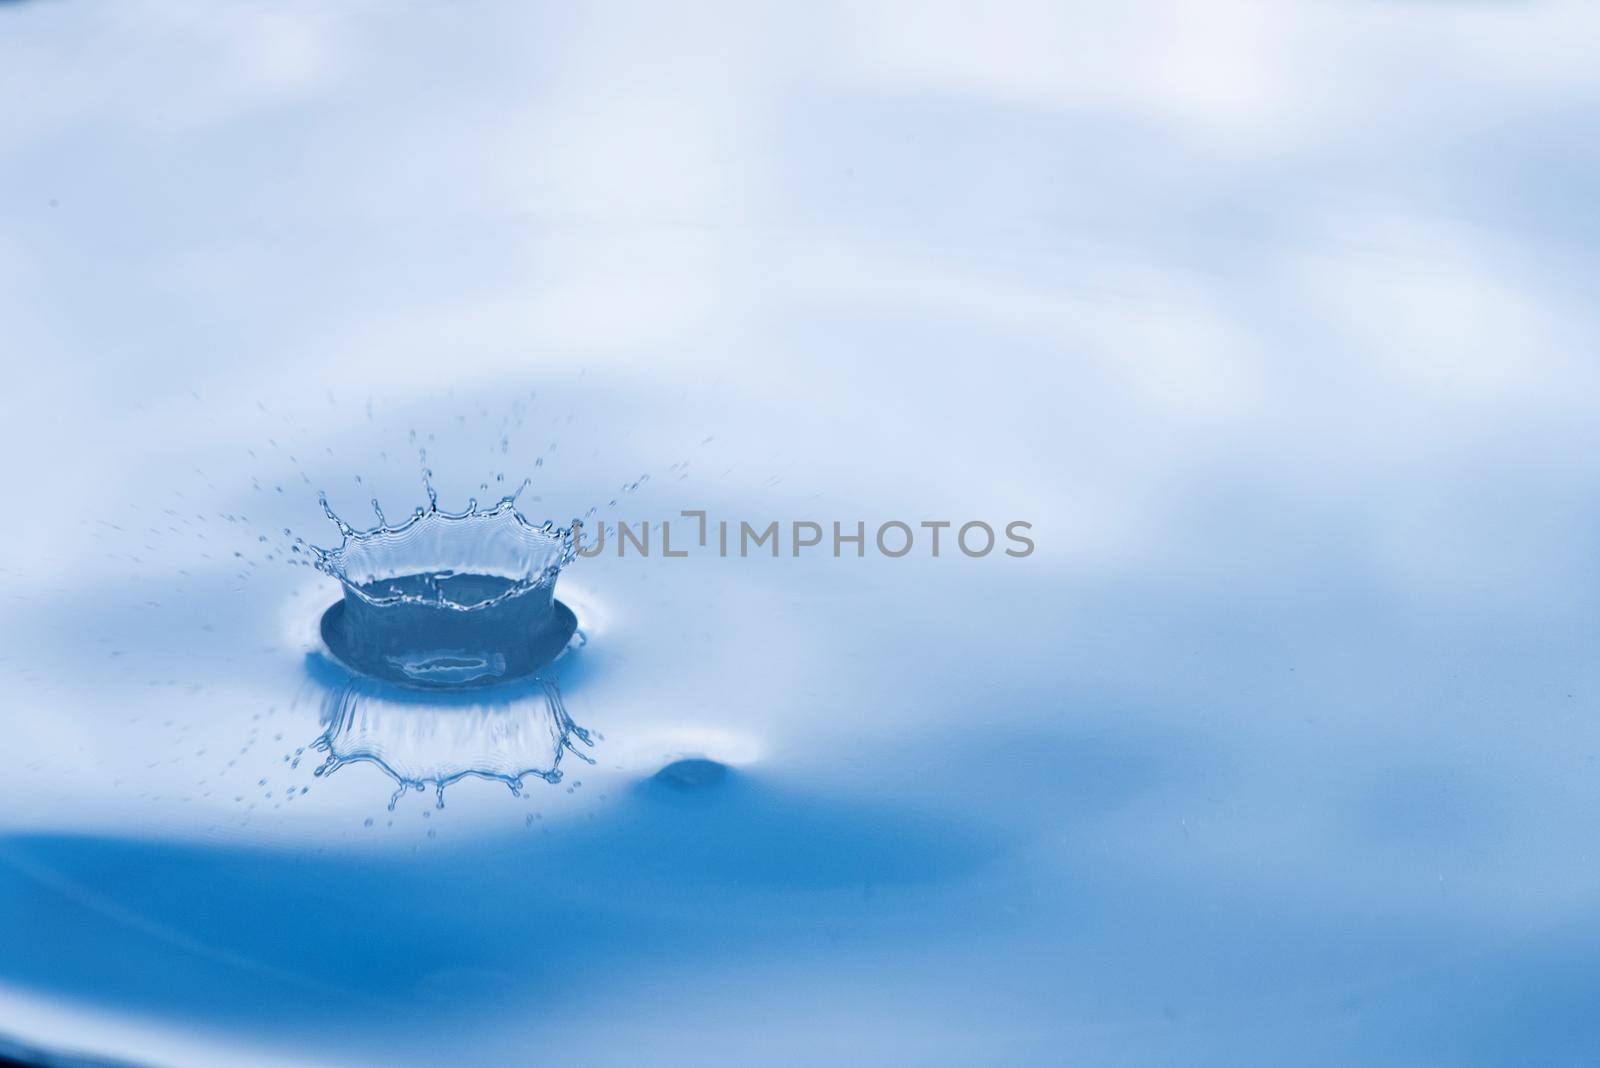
[(463, 561)]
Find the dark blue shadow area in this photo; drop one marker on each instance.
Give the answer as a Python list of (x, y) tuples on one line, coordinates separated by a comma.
[(201, 930), (704, 869), (21, 1055)]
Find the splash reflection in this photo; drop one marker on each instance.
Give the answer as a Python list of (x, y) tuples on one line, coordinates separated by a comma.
[(433, 738)]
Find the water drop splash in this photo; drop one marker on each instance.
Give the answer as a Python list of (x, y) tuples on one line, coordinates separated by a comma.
[(448, 599), (440, 655)]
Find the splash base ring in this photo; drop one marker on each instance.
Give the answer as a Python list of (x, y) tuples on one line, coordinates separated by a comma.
[(448, 664)]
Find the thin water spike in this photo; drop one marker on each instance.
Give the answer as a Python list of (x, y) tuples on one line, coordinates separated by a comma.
[(427, 484), (377, 510), (394, 799), (439, 796), (327, 510), (427, 474)]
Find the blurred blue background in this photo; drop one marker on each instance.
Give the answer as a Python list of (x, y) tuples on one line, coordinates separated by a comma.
[(1277, 321)]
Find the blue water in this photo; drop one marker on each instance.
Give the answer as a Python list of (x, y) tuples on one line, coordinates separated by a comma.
[(1276, 325)]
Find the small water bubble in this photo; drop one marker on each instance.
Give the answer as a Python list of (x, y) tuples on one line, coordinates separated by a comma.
[(692, 774)]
